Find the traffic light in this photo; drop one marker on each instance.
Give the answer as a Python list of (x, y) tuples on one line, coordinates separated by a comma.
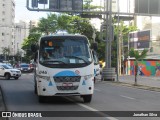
[(34, 3)]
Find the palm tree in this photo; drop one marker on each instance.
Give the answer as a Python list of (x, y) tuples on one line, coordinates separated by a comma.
[(138, 56)]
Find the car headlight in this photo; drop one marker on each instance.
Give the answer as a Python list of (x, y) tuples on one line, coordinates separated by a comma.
[(44, 77), (13, 71), (87, 77)]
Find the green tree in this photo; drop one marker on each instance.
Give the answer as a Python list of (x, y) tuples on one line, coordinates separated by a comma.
[(124, 31), (82, 26), (48, 25), (54, 23), (138, 56), (26, 45), (88, 5), (6, 52)]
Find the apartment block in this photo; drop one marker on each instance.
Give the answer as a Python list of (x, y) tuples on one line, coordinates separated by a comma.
[(21, 32), (7, 13)]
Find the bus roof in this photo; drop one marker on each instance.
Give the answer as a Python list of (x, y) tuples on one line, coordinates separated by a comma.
[(63, 35)]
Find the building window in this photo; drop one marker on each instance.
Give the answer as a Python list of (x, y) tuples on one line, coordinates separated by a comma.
[(13, 4), (3, 19), (2, 34), (3, 12), (3, 4)]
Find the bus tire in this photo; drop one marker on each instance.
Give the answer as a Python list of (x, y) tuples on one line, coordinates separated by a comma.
[(35, 89), (87, 98), (41, 99), (16, 78)]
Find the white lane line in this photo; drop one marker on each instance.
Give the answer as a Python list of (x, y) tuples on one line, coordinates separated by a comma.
[(127, 97), (28, 74), (97, 90), (92, 109)]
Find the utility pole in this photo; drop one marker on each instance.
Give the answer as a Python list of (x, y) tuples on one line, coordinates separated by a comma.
[(108, 72)]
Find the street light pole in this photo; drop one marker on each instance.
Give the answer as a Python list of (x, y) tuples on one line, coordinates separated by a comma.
[(108, 72), (118, 44)]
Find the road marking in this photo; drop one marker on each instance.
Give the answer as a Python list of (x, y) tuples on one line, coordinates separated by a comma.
[(127, 97), (28, 74), (97, 90), (92, 109)]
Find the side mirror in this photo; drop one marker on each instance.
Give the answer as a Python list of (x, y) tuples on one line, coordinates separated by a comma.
[(94, 46), (100, 66), (34, 48)]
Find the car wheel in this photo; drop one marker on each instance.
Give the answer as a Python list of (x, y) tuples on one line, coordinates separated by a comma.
[(7, 76), (16, 78)]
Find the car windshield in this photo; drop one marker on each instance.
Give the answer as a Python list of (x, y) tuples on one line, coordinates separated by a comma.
[(7, 66), (64, 50)]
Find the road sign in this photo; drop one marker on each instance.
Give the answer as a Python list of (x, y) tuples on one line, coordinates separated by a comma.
[(55, 5), (65, 5), (147, 6), (43, 1), (139, 39), (34, 3)]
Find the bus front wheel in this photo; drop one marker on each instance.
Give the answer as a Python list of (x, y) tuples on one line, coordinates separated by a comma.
[(41, 99), (87, 98)]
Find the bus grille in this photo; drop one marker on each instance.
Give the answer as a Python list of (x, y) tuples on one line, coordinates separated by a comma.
[(67, 79), (67, 87)]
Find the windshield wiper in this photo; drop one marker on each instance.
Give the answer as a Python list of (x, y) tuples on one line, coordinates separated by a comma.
[(59, 61), (76, 58)]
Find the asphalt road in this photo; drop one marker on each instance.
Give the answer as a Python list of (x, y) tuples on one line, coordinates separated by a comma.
[(19, 96)]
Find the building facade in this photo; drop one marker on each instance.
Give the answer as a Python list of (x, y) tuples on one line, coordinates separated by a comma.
[(21, 32), (7, 13), (12, 34)]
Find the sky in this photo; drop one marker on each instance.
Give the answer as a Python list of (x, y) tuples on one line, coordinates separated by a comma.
[(22, 13)]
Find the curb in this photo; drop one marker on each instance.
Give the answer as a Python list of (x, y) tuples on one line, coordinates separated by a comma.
[(144, 87), (2, 105)]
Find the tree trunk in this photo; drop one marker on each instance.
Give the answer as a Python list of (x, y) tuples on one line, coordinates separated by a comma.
[(136, 70)]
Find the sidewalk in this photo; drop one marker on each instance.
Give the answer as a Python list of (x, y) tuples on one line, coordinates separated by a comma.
[(143, 82), (151, 81)]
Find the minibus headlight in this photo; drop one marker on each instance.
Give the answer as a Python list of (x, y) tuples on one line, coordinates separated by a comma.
[(44, 77), (87, 77)]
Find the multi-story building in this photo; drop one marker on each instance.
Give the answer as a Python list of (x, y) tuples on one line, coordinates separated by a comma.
[(12, 34), (7, 13), (21, 32)]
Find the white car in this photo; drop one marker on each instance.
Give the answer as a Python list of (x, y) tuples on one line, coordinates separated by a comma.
[(9, 72)]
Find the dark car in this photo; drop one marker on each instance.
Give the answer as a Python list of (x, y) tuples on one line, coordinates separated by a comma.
[(25, 68)]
